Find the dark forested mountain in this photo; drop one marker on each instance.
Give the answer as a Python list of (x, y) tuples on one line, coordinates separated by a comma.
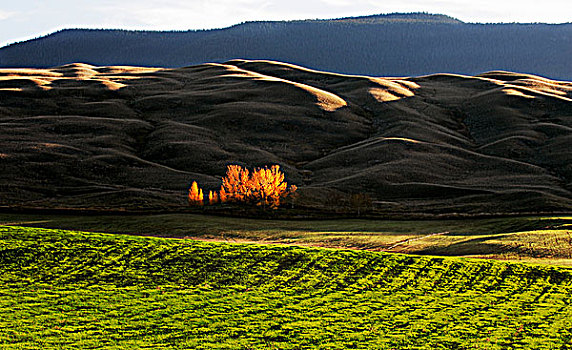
[(388, 45)]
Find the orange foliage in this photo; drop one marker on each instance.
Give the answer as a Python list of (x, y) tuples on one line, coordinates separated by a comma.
[(213, 197), (223, 196), (263, 187), (195, 194), (235, 186), (267, 186)]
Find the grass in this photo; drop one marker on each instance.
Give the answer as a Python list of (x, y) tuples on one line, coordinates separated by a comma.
[(69, 289), (533, 239)]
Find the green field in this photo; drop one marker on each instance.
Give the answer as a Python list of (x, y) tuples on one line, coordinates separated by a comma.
[(67, 289), (531, 239)]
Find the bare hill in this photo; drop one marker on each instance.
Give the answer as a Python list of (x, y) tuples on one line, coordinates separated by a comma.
[(80, 136)]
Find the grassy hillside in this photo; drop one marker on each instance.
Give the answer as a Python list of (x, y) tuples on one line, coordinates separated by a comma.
[(131, 138), (64, 289)]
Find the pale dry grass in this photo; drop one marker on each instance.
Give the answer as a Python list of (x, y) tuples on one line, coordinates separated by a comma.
[(327, 101)]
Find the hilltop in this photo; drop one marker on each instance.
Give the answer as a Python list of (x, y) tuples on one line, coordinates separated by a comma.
[(81, 136), (381, 45)]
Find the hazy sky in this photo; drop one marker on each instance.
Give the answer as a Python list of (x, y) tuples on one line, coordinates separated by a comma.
[(24, 19)]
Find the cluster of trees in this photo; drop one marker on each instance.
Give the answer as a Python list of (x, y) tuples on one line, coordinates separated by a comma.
[(263, 187)]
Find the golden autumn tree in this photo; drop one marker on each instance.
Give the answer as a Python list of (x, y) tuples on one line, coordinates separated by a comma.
[(213, 197), (195, 194), (235, 185), (268, 186)]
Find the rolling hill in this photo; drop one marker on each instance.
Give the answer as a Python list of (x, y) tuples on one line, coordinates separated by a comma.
[(117, 137), (69, 289), (381, 45)]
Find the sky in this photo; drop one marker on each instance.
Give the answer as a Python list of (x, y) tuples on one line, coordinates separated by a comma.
[(26, 19)]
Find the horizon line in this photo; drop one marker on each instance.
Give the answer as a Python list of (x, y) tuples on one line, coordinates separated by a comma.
[(62, 29)]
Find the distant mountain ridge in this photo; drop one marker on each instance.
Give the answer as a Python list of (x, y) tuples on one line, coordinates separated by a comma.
[(419, 17), (379, 45)]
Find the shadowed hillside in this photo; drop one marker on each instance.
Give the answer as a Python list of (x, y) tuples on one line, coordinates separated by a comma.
[(383, 45), (127, 137)]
